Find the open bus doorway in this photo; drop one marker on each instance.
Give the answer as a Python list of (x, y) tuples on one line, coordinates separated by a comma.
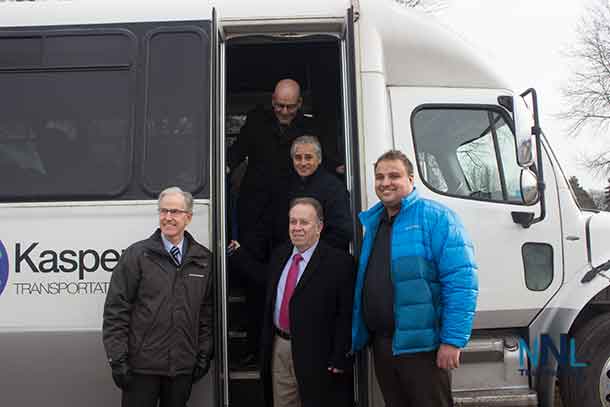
[(254, 64)]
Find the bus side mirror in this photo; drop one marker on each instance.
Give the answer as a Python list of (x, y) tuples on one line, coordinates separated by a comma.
[(529, 194), (524, 126), (527, 127), (529, 186)]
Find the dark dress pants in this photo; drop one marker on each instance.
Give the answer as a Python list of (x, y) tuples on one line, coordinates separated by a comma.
[(146, 390), (253, 236), (412, 379)]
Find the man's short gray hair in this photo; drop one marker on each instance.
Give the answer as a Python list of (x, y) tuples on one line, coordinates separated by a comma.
[(188, 198), (307, 139)]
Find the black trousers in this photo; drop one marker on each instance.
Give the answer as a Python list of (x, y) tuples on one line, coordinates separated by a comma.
[(147, 390), (254, 238), (410, 380)]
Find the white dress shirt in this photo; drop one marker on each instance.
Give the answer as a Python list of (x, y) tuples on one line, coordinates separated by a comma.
[(282, 283)]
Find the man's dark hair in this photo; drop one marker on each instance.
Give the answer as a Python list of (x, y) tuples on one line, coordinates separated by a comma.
[(309, 201), (396, 155)]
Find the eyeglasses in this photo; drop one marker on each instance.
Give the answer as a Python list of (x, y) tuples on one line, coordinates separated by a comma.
[(281, 106), (172, 211)]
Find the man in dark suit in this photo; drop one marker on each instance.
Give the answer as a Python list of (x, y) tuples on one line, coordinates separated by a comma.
[(307, 320)]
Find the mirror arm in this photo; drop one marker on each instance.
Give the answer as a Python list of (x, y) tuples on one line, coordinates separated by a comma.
[(535, 102), (536, 130), (540, 183)]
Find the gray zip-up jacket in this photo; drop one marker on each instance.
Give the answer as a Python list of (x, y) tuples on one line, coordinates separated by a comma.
[(159, 316)]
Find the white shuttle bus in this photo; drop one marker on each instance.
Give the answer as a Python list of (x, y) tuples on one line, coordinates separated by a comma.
[(104, 103)]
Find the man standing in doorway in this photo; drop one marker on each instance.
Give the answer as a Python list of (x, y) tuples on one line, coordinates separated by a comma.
[(158, 315), (416, 289), (307, 316)]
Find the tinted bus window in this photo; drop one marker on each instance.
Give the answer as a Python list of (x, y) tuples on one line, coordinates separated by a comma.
[(20, 52), (58, 136), (89, 50), (65, 133), (177, 114)]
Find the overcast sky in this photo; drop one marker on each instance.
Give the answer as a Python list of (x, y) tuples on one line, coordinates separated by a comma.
[(527, 39)]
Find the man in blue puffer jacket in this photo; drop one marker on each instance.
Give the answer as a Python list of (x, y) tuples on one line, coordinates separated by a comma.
[(416, 289)]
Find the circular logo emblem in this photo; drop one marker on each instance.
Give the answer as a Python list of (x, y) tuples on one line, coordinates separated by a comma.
[(3, 267)]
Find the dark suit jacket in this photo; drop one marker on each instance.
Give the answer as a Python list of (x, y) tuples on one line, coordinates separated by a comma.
[(267, 146), (327, 189), (320, 324)]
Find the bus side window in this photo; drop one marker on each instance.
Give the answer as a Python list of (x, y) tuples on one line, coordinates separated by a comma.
[(467, 152), (113, 112), (56, 141), (177, 118)]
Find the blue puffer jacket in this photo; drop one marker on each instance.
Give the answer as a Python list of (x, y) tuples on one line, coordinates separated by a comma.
[(434, 277)]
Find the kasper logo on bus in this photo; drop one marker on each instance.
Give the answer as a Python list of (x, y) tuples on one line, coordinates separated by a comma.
[(64, 261), (3, 267)]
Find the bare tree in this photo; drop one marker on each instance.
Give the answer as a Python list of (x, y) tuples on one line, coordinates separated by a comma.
[(598, 163), (588, 89)]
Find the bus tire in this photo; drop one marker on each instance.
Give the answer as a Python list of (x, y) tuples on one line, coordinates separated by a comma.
[(589, 386)]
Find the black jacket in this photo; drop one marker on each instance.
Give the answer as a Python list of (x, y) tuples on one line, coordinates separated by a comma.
[(157, 315), (267, 146), (324, 187), (320, 324)]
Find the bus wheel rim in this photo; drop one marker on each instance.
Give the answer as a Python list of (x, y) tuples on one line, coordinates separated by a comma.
[(604, 384)]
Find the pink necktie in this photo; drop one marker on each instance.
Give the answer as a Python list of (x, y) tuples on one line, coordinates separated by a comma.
[(291, 282)]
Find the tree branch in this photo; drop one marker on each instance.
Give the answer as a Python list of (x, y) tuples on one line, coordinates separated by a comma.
[(588, 91)]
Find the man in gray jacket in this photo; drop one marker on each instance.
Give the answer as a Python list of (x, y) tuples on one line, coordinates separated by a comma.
[(157, 327)]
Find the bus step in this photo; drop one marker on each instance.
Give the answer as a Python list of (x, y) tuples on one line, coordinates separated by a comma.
[(496, 397), (238, 334), (490, 363), (244, 375), (237, 299), (483, 350)]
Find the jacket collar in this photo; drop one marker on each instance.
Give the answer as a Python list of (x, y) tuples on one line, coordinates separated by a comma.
[(307, 180), (191, 249), (285, 252), (372, 216)]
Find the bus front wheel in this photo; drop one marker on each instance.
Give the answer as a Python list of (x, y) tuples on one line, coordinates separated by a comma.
[(589, 386)]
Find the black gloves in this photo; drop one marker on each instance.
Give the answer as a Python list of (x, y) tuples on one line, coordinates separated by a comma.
[(201, 368), (121, 373)]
